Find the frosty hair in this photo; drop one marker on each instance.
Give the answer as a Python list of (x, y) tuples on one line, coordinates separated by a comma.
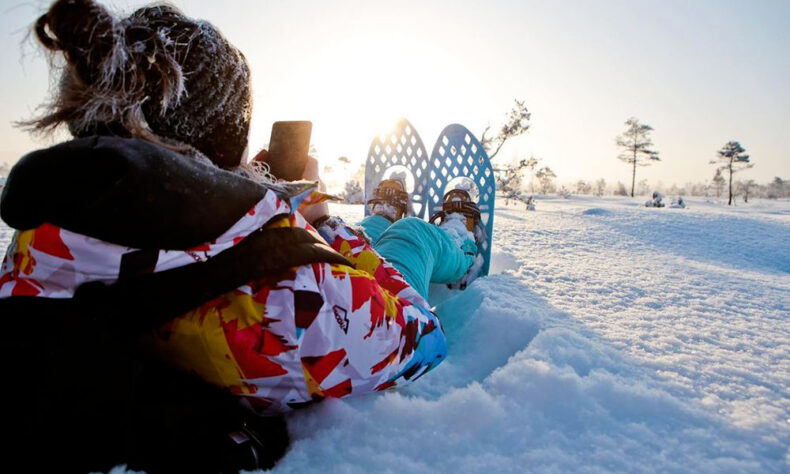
[(257, 171), (116, 71)]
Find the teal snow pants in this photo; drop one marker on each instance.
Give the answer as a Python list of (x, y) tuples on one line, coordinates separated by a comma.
[(422, 252)]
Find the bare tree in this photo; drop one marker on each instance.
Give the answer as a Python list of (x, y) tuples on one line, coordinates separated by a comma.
[(636, 144), (600, 187), (583, 187), (643, 187), (732, 158), (744, 188), (718, 182), (517, 123)]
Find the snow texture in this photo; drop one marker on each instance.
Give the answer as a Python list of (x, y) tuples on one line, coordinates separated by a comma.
[(385, 209), (455, 226), (353, 193), (609, 337)]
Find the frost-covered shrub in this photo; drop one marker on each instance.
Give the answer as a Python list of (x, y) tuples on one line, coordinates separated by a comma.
[(353, 193), (529, 201), (509, 179), (656, 201)]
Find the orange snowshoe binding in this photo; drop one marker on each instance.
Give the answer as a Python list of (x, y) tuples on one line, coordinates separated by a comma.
[(459, 201), (390, 200)]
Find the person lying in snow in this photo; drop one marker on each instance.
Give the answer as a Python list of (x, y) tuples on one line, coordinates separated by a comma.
[(127, 234)]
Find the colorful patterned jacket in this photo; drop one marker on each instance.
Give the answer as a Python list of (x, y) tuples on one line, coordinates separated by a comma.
[(316, 331)]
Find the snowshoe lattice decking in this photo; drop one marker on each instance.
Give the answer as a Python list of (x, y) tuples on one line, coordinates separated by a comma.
[(401, 150), (459, 154)]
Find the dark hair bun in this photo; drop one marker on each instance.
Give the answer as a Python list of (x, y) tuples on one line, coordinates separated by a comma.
[(129, 76), (82, 29)]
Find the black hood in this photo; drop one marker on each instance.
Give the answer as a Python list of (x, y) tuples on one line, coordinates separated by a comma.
[(126, 191)]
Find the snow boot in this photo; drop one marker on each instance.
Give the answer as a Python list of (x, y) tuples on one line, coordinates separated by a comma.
[(457, 203), (390, 200)]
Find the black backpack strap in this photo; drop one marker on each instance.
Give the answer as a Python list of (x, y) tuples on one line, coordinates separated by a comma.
[(146, 301), (142, 302)]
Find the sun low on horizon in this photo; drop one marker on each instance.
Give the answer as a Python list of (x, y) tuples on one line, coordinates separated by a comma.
[(351, 94)]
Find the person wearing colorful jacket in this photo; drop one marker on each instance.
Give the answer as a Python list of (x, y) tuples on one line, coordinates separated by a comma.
[(280, 341)]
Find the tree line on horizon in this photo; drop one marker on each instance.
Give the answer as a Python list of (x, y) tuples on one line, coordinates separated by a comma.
[(518, 181), (637, 150), (521, 179)]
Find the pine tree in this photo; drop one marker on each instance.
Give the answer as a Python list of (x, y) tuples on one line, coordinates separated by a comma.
[(636, 143), (732, 159)]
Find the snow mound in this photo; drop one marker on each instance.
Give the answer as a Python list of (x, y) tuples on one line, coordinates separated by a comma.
[(502, 262), (523, 386), (596, 211), (600, 346)]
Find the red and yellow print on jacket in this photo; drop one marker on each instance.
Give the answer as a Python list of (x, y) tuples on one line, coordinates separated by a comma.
[(315, 331)]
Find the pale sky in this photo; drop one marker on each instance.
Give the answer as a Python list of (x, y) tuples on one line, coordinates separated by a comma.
[(700, 72)]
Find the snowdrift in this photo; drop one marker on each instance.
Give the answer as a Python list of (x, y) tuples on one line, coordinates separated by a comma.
[(623, 339)]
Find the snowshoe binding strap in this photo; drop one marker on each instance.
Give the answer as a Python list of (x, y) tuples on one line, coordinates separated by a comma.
[(459, 201), (390, 192)]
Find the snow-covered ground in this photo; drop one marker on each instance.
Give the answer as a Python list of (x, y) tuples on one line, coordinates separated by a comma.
[(609, 337)]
